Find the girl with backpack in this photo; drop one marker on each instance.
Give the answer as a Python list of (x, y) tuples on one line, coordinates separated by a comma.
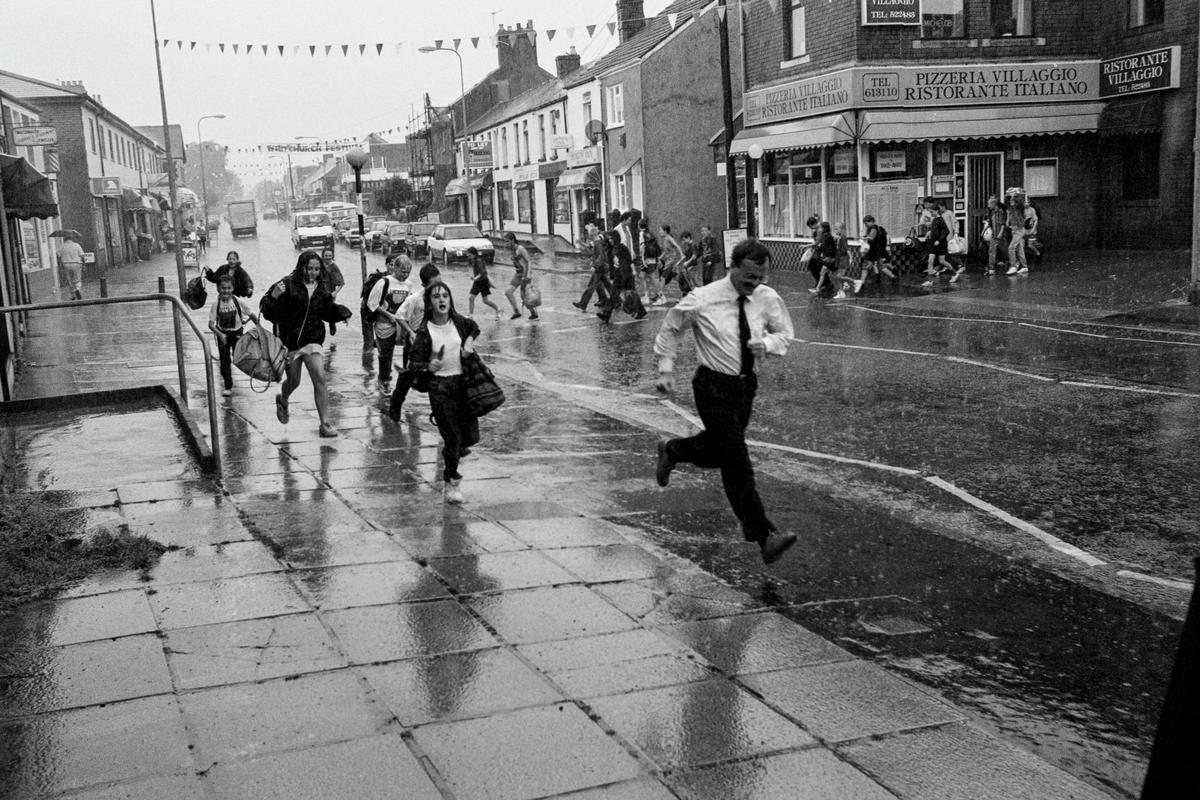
[(229, 313), (651, 250), (242, 285)]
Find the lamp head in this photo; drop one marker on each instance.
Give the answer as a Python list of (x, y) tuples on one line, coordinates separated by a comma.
[(217, 116), (356, 158), (755, 151)]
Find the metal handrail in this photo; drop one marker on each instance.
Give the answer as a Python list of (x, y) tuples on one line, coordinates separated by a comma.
[(178, 310)]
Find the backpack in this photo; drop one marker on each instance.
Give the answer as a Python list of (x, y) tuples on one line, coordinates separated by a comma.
[(368, 315), (1037, 214), (243, 286), (195, 295), (650, 245)]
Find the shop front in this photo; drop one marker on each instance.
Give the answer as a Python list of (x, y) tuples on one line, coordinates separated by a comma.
[(457, 194), (878, 141), (481, 192), (577, 192)]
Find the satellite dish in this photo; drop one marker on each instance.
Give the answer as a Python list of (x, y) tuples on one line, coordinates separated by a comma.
[(594, 131)]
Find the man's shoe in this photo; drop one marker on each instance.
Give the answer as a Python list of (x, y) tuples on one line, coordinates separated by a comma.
[(394, 414), (841, 295), (453, 492), (1011, 271), (281, 409), (858, 284), (580, 306), (640, 315), (326, 430), (775, 545), (226, 392), (516, 315), (662, 472), (1023, 271), (533, 315), (604, 316)]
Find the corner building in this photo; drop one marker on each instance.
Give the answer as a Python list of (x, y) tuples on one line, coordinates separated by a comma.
[(868, 107)]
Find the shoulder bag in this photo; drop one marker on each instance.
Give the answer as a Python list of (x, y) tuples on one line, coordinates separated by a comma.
[(483, 394), (261, 355)]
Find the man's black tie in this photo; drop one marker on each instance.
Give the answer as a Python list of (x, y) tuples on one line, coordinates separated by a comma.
[(744, 337)]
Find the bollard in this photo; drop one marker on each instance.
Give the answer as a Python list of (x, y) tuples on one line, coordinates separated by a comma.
[(1172, 771), (104, 287)]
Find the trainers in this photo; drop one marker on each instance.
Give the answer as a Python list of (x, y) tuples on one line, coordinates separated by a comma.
[(533, 315), (858, 284), (226, 392), (516, 315), (775, 545), (1023, 271), (326, 430), (662, 471), (840, 295), (580, 306), (813, 291), (927, 285), (957, 274), (281, 409), (604, 316), (453, 492), (990, 272), (1011, 271)]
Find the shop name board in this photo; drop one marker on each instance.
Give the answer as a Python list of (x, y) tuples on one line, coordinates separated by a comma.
[(478, 154), (584, 156), (34, 135), (890, 161), (525, 174), (891, 12), (562, 141), (1151, 71), (932, 87), (803, 98), (106, 187)]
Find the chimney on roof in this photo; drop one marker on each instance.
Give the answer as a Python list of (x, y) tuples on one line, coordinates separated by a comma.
[(517, 47), (73, 86), (567, 63), (631, 18)]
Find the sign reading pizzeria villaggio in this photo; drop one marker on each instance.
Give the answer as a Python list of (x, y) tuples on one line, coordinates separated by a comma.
[(891, 12), (1151, 71), (926, 87)]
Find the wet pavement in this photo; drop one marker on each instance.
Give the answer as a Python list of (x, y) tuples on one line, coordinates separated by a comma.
[(330, 628)]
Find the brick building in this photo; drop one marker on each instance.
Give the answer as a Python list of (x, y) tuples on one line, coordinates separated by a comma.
[(866, 107)]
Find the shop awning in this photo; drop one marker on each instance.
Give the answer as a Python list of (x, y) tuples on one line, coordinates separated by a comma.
[(164, 202), (27, 192), (981, 122), (481, 180), (579, 178), (627, 166), (457, 186), (799, 135), (135, 201), (1129, 115)]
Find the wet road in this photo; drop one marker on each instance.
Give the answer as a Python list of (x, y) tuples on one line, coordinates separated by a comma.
[(893, 570)]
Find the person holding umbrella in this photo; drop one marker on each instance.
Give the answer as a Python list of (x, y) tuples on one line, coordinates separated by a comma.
[(70, 257)]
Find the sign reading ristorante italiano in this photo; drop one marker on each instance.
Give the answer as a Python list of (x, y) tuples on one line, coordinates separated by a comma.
[(1151, 71), (930, 87)]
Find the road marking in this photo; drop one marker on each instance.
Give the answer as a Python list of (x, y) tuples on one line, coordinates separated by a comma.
[(984, 365), (1136, 389), (1065, 330), (830, 457), (1141, 576)]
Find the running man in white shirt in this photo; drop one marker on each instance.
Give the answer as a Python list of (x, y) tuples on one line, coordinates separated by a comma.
[(736, 322)]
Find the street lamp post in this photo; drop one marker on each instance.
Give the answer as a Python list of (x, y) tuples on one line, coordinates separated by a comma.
[(462, 97), (356, 158), (203, 177)]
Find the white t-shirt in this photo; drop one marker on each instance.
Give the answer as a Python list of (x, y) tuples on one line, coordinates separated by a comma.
[(446, 336), (396, 291), (412, 310), (237, 304)]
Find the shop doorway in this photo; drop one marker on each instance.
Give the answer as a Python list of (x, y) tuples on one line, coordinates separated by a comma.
[(985, 177)]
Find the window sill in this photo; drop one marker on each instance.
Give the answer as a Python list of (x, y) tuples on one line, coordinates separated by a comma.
[(1014, 41), (614, 125), (944, 44), (1150, 203), (795, 62), (1150, 27)]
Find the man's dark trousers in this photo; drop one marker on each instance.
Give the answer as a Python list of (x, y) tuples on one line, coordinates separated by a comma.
[(601, 285), (724, 403)]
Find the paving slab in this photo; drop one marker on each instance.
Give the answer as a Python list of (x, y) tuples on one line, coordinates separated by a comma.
[(407, 630), (755, 643), (538, 615), (960, 761), (210, 562), (699, 723), (401, 581), (458, 685), (641, 789), (232, 723), (83, 619), (610, 562), (175, 787), (491, 572), (376, 768), (250, 650), (565, 532), (187, 522), (658, 602), (52, 753), (525, 754), (807, 775), (226, 600), (41, 679), (458, 538), (850, 700)]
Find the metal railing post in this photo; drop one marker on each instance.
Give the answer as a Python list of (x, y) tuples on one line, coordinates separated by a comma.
[(177, 309), (104, 287)]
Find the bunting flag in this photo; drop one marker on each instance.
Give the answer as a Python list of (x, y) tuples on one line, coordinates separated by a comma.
[(345, 47), (281, 51), (591, 29), (379, 48), (494, 39), (249, 48), (208, 47), (180, 45), (532, 37), (312, 50), (774, 5), (328, 47), (457, 42), (398, 48), (295, 50), (475, 42), (570, 33), (235, 47), (222, 46), (672, 19), (264, 47), (721, 10), (193, 47), (362, 48), (550, 35)]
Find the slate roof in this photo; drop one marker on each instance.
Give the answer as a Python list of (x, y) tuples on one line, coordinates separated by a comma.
[(537, 97)]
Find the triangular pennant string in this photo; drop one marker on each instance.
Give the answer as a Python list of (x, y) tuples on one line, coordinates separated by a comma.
[(612, 28), (328, 47), (249, 48), (457, 42), (192, 46), (550, 35), (438, 43), (532, 37), (222, 46), (295, 50), (345, 47), (312, 50), (379, 48), (721, 11), (208, 47), (494, 39), (264, 47), (362, 48), (591, 29), (672, 18), (475, 42), (235, 47), (179, 44), (774, 5), (570, 33), (398, 45), (280, 50)]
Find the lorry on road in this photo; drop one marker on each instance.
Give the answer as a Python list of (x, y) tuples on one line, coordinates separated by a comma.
[(243, 219)]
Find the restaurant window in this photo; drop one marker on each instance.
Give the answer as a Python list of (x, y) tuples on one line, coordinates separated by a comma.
[(943, 19), (1145, 12), (616, 106), (1141, 166), (1012, 18), (525, 202), (504, 199), (795, 18)]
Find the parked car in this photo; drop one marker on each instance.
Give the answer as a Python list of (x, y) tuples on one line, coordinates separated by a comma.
[(449, 243), (342, 227), (374, 232), (268, 213), (417, 239), (393, 238)]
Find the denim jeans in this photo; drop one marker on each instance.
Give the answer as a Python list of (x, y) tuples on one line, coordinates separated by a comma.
[(224, 353), (387, 347), (457, 425), (724, 403)]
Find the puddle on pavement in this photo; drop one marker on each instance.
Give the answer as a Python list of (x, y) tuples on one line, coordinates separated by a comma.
[(75, 449)]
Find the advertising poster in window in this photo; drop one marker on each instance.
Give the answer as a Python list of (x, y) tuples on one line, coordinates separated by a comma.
[(525, 203), (562, 206), (891, 12)]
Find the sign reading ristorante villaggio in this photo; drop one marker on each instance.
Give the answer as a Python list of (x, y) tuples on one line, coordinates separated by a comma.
[(808, 97), (891, 12), (1151, 71)]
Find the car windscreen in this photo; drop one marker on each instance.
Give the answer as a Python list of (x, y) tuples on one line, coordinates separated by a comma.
[(312, 220), (463, 232), (422, 228)]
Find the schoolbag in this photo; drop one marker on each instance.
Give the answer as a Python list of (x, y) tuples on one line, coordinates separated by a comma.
[(372, 279), (243, 286), (650, 246), (195, 295), (1037, 213)]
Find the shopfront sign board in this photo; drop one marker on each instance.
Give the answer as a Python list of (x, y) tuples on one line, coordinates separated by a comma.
[(583, 157), (525, 174), (478, 154), (562, 141), (891, 12), (1150, 71), (34, 135), (106, 187), (843, 161), (191, 256)]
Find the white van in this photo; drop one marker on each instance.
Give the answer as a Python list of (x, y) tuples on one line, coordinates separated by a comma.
[(312, 230)]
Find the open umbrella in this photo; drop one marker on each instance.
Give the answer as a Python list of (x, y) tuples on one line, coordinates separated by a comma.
[(66, 232)]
